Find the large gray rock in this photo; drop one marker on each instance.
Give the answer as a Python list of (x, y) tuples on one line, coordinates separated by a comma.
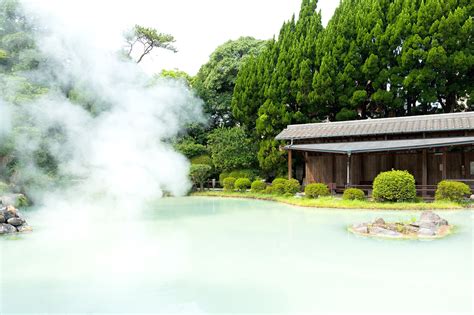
[(375, 230), (379, 221), (16, 221), (24, 228), (429, 216), (7, 228), (360, 228), (426, 232)]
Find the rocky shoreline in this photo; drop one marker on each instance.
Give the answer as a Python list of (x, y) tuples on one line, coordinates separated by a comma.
[(429, 226), (11, 221)]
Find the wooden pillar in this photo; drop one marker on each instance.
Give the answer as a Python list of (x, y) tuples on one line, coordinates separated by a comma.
[(424, 170), (348, 182), (290, 164), (333, 168), (444, 159)]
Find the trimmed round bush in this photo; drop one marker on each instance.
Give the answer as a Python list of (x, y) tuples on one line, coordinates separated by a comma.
[(229, 183), (452, 191), (292, 186), (258, 186), (202, 159), (353, 194), (242, 184), (268, 190), (316, 190), (279, 188), (279, 181), (394, 186), (243, 173)]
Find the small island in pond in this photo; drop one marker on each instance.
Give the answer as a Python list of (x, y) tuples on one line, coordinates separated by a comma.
[(430, 225)]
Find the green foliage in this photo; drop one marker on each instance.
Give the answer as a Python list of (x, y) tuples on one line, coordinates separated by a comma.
[(279, 181), (148, 39), (251, 174), (316, 190), (242, 184), (22, 201), (279, 188), (269, 190), (202, 159), (199, 174), (4, 187), (176, 75), (190, 149), (258, 186), (215, 81), (231, 149), (229, 183), (292, 187), (452, 191), (353, 194), (394, 186)]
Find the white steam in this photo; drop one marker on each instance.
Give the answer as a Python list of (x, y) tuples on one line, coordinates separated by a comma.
[(120, 152)]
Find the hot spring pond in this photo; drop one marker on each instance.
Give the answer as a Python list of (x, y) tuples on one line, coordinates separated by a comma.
[(203, 255)]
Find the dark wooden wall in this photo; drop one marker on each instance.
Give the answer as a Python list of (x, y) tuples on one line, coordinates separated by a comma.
[(332, 168)]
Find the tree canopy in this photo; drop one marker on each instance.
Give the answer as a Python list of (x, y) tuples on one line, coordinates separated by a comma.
[(148, 39)]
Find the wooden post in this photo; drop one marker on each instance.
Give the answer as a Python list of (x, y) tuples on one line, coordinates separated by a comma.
[(290, 164), (348, 183), (424, 176), (444, 164)]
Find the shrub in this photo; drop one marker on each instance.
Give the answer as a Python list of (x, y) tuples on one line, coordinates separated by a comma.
[(353, 194), (279, 188), (258, 186), (279, 181), (292, 186), (394, 186), (229, 183), (268, 190), (244, 173), (242, 184), (199, 173), (191, 149), (22, 201), (452, 191), (316, 190)]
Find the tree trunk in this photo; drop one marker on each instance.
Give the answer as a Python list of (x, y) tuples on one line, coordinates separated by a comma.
[(201, 187)]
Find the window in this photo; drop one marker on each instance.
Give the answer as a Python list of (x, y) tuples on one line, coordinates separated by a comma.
[(471, 168)]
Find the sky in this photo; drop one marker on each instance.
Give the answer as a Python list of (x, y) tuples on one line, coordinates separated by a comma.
[(199, 26)]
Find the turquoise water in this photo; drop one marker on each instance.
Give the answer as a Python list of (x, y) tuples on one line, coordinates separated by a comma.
[(203, 255)]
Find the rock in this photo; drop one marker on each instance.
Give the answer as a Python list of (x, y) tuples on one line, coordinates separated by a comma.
[(426, 232), (375, 230), (427, 225), (429, 216), (15, 221), (360, 228), (2, 219), (443, 230), (379, 221), (411, 229), (24, 228), (443, 222), (472, 197), (7, 228)]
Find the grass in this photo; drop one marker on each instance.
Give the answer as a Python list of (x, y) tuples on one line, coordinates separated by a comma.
[(332, 202)]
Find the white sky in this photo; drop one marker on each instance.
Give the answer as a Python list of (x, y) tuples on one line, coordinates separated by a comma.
[(199, 26)]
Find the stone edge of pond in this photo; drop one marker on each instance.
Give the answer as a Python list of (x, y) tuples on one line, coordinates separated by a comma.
[(217, 195)]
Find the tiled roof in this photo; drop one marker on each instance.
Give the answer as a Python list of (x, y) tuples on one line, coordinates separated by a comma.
[(381, 146), (381, 126)]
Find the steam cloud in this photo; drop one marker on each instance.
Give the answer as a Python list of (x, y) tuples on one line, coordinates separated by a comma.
[(119, 152)]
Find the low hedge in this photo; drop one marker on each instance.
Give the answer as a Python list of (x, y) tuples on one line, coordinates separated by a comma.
[(258, 186), (292, 186), (242, 184), (353, 194), (229, 183), (316, 190), (452, 191), (251, 174), (394, 186)]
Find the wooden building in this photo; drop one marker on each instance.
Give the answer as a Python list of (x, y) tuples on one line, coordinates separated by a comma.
[(353, 153)]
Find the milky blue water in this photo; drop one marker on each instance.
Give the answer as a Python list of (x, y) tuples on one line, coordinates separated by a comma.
[(202, 255)]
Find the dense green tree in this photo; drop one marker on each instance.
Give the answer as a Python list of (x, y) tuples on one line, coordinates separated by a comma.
[(215, 81), (231, 149)]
